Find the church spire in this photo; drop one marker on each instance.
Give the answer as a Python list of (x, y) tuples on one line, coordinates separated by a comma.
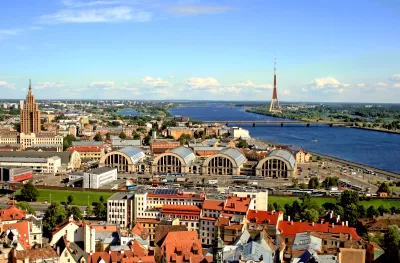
[(30, 84)]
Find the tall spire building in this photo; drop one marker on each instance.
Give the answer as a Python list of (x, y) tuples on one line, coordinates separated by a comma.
[(30, 114), (275, 106)]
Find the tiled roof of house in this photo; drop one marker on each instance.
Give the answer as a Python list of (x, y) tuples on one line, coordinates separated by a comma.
[(86, 148), (146, 259), (263, 217), (213, 205), (185, 246), (23, 232), (181, 208), (288, 228), (237, 204), (141, 231), (12, 213), (36, 254)]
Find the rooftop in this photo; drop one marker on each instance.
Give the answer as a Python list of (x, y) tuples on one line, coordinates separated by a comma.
[(101, 170)]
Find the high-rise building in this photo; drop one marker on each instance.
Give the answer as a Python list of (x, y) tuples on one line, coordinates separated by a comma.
[(30, 114)]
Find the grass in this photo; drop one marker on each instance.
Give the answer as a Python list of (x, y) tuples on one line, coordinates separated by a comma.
[(282, 200), (80, 198)]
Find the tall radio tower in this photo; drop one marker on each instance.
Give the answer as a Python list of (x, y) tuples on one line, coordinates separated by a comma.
[(275, 106)]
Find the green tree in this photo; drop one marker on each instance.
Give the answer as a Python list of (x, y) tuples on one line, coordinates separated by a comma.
[(146, 140), (67, 141), (70, 199), (295, 182), (29, 192), (382, 210), (310, 215), (384, 188), (102, 199), (348, 197), (303, 186), (372, 212), (122, 135), (75, 212), (135, 135), (53, 215), (243, 143), (26, 207), (330, 181), (313, 183), (98, 137), (391, 243), (270, 207), (108, 136), (184, 139), (100, 210), (89, 211)]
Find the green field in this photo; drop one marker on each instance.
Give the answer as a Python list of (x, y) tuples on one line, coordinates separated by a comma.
[(80, 197), (282, 200)]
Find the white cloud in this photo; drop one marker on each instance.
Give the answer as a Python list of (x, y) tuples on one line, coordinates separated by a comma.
[(161, 92), (304, 90), (171, 77), (47, 84), (395, 77), (156, 82), (328, 83), (103, 84), (251, 84), (198, 10), (380, 84), (75, 4), (112, 14), (286, 92), (36, 28), (5, 84), (397, 85), (361, 85), (6, 33), (200, 83)]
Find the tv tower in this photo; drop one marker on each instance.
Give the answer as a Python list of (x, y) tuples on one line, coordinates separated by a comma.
[(275, 107)]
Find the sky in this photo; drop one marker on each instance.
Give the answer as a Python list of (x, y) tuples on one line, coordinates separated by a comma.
[(326, 51)]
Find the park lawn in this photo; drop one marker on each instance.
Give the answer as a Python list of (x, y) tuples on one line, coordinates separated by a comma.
[(79, 197), (282, 200)]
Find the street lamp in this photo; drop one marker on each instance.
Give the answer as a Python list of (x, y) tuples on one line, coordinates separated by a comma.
[(50, 198), (88, 201)]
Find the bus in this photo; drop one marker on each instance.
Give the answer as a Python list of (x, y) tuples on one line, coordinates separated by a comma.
[(335, 193)]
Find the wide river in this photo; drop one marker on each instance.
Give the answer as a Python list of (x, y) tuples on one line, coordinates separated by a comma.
[(376, 149)]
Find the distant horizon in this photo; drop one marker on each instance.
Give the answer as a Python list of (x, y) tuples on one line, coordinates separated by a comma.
[(203, 101), (203, 49)]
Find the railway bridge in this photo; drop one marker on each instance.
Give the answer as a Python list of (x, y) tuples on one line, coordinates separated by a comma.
[(280, 123)]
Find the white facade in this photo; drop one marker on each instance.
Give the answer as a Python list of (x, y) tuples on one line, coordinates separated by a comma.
[(237, 132), (29, 140), (260, 199), (98, 177), (119, 207), (39, 165)]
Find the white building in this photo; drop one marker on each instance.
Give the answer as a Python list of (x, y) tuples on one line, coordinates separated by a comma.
[(119, 209), (237, 132), (46, 165), (97, 177)]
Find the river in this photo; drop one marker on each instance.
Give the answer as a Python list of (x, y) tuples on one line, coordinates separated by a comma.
[(372, 148)]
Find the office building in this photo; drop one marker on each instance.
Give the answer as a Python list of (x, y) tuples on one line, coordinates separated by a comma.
[(30, 114), (100, 176)]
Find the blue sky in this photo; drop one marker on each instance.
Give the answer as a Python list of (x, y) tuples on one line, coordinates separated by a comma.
[(188, 49)]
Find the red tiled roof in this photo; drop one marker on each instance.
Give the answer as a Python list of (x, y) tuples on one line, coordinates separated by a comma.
[(234, 227), (263, 217), (147, 220), (237, 204), (23, 232), (213, 205), (177, 196), (36, 254), (12, 213), (105, 228), (98, 256), (116, 256), (222, 221), (181, 208), (86, 148), (64, 223), (288, 228), (146, 259), (138, 249), (139, 230), (182, 246)]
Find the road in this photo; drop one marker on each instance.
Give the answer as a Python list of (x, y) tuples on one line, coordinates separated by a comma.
[(40, 208)]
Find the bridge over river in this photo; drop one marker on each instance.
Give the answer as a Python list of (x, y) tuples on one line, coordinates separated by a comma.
[(281, 123)]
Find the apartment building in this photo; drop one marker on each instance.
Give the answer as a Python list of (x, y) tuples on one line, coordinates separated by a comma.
[(98, 177), (119, 209)]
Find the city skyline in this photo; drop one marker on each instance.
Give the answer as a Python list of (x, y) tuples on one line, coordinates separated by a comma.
[(201, 50)]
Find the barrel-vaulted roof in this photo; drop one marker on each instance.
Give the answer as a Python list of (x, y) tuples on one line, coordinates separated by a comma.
[(186, 153), (136, 154), (284, 154), (235, 154)]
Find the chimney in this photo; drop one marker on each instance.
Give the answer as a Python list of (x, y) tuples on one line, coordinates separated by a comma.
[(288, 218), (122, 252), (333, 225), (109, 252), (347, 223), (342, 223), (291, 222), (312, 223), (331, 214)]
